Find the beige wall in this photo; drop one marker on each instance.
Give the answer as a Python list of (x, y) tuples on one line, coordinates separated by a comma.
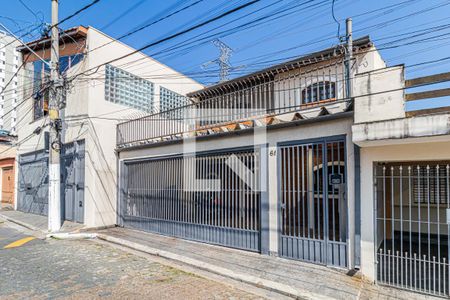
[(404, 150)]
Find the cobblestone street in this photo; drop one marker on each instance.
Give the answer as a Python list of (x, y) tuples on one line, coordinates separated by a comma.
[(83, 269)]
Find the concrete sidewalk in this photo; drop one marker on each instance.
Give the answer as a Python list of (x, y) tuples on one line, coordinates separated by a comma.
[(288, 277), (35, 222)]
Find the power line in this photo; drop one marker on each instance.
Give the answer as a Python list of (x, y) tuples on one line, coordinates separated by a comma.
[(75, 13), (31, 11), (147, 25), (338, 35), (229, 12)]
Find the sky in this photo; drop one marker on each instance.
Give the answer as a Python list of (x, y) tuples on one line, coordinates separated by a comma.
[(406, 32)]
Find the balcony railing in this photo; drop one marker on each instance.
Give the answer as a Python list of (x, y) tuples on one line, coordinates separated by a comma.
[(282, 93)]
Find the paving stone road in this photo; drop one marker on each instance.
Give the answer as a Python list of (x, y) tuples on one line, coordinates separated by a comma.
[(61, 269)]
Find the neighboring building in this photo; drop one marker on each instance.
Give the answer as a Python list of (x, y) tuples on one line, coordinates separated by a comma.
[(405, 181), (10, 60), (94, 104)]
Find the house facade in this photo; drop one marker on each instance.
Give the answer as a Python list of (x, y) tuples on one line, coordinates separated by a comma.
[(92, 105), (282, 162), (263, 163)]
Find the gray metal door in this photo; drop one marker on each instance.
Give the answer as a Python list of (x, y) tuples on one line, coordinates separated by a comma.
[(33, 183), (313, 203), (412, 202), (72, 172), (202, 198)]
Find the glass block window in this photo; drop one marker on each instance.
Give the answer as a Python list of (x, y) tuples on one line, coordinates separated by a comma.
[(127, 89), (169, 99)]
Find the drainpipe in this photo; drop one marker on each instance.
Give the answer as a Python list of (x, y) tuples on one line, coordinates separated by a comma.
[(349, 58)]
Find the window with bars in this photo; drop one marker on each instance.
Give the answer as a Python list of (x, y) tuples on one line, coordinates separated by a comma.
[(319, 91), (431, 185), (124, 88)]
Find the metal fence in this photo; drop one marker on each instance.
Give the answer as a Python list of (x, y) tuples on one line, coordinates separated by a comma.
[(313, 202), (412, 207), (204, 198), (273, 94)]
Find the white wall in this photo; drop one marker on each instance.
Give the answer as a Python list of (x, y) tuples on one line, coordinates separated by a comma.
[(379, 95), (405, 150), (101, 179)]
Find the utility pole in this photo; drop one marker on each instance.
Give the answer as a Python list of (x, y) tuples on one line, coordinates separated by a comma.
[(54, 191), (349, 58)]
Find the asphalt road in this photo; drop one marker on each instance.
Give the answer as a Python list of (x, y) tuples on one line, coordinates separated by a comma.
[(60, 269)]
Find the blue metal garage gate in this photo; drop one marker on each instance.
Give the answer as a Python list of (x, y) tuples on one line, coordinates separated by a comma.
[(176, 196), (33, 182), (313, 202)]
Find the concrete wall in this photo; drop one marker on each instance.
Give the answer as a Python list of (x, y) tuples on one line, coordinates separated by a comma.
[(296, 133), (404, 150), (379, 95)]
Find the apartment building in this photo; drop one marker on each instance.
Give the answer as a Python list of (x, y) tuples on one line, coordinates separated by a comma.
[(93, 103), (9, 67)]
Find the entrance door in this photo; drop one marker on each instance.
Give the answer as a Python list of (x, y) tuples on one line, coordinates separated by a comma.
[(313, 202), (8, 185), (72, 171)]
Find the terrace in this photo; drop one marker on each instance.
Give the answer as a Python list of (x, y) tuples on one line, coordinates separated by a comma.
[(303, 89)]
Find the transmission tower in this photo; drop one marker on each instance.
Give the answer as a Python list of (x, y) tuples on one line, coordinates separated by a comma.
[(223, 61)]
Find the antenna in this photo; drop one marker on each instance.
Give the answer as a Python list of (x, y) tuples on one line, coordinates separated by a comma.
[(223, 61)]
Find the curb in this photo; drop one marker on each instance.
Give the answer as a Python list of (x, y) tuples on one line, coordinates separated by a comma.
[(20, 223), (249, 279), (71, 236)]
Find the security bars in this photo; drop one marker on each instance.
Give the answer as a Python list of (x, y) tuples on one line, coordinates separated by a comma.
[(174, 196), (313, 203), (412, 210), (272, 94)]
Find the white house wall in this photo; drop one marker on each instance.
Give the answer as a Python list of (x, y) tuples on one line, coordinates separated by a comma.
[(101, 178)]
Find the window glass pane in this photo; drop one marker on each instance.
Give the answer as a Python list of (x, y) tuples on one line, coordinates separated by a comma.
[(127, 89)]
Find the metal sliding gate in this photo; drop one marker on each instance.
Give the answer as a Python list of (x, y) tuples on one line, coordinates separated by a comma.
[(32, 196), (209, 197), (33, 182), (412, 202), (313, 204)]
